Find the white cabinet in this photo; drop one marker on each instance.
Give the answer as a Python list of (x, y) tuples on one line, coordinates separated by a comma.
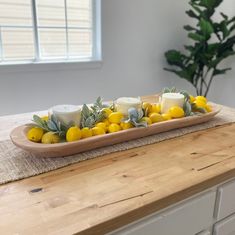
[(196, 216), (189, 218), (226, 204), (225, 227)]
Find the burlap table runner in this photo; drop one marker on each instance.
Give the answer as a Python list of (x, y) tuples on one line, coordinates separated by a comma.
[(16, 164)]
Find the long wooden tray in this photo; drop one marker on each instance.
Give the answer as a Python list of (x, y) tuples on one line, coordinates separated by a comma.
[(18, 137)]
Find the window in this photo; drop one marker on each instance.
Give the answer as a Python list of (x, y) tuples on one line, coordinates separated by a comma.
[(49, 30)]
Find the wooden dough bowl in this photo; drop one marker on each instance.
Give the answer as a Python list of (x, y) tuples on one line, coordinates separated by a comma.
[(18, 136)]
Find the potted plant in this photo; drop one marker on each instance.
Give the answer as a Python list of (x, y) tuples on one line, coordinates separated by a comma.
[(212, 43)]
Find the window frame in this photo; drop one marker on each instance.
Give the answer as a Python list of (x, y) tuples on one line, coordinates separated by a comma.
[(79, 63)]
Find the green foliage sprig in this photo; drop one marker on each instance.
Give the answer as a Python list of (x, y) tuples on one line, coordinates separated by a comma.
[(213, 42), (51, 125), (93, 114), (134, 117)]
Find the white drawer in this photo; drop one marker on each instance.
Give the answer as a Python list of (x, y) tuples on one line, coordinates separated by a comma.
[(189, 218), (226, 204), (225, 227)]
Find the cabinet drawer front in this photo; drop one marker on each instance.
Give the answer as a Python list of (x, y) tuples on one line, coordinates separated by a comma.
[(226, 226), (189, 218), (227, 200)]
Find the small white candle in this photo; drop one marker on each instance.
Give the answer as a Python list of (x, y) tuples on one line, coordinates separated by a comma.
[(125, 103), (169, 100), (67, 114)]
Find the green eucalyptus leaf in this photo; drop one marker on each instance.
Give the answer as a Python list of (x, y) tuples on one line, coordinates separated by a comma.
[(186, 95), (52, 126), (173, 90), (166, 90), (187, 108), (37, 120), (139, 124)]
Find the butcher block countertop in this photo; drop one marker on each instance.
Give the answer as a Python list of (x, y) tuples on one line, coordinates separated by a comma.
[(106, 193)]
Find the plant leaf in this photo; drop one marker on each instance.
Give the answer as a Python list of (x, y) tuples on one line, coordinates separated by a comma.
[(192, 14), (189, 28), (206, 28), (196, 37), (166, 90), (220, 71), (187, 108), (175, 58)]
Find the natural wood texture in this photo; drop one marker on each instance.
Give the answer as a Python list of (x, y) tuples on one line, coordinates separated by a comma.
[(100, 195), (19, 137)]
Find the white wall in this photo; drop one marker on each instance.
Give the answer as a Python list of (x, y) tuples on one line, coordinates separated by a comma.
[(136, 33)]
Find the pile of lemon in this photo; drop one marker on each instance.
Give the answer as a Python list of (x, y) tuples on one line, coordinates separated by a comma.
[(114, 122), (201, 102)]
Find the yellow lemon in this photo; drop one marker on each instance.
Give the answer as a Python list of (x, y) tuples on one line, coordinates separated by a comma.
[(86, 132), (50, 138), (126, 125), (107, 123), (208, 108), (102, 125), (114, 128), (73, 134), (147, 120), (147, 107), (97, 131), (166, 116), (35, 134), (192, 99), (201, 98), (115, 117), (176, 112), (156, 108), (107, 111), (200, 103), (45, 118), (156, 117)]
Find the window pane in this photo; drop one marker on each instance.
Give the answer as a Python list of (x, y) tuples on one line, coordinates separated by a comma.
[(51, 13), (80, 43), (15, 12), (79, 13), (17, 43), (57, 38), (52, 43)]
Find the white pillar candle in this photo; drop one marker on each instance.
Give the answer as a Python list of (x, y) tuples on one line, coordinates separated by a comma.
[(169, 100), (125, 103), (67, 114)]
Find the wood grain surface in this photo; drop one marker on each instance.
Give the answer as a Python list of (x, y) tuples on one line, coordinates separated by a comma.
[(100, 195)]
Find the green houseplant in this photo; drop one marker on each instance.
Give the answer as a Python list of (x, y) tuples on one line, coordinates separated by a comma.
[(212, 43)]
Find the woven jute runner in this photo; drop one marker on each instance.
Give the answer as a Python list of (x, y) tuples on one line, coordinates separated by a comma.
[(15, 164)]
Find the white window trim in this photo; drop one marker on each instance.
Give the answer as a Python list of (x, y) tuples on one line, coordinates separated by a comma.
[(63, 64)]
